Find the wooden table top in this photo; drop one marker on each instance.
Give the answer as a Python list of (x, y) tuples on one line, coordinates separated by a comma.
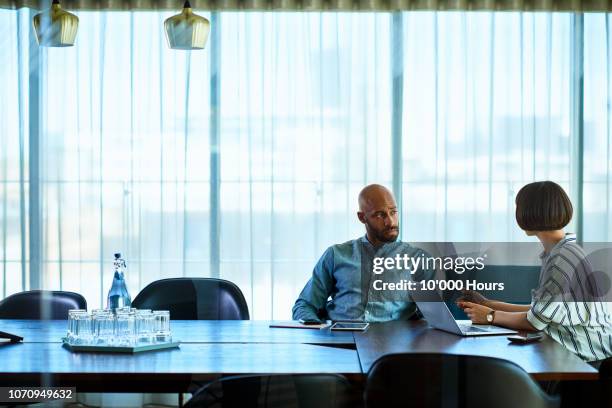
[(172, 370), (212, 348), (195, 331), (544, 360), (192, 358)]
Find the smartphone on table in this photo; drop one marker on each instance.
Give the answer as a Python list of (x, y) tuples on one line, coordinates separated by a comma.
[(350, 326), (310, 322), (524, 338)]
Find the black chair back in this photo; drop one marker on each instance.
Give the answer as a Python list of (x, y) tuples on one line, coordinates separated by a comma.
[(449, 381), (41, 304), (278, 391), (604, 388), (592, 393), (194, 299)]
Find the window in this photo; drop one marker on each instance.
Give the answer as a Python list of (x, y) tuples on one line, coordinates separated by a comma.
[(244, 161)]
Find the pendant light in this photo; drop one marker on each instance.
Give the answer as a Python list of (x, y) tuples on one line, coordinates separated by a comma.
[(187, 31), (55, 27)]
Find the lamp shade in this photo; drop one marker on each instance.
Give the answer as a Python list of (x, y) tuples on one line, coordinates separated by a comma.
[(187, 31), (55, 27)]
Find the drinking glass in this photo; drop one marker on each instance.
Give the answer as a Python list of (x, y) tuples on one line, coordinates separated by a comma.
[(162, 325), (124, 309), (71, 324), (82, 328), (145, 325), (125, 329), (103, 327)]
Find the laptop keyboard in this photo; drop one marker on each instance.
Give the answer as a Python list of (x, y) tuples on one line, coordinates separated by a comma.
[(467, 328)]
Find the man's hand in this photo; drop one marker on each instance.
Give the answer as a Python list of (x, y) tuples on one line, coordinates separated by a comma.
[(473, 297), (477, 313)]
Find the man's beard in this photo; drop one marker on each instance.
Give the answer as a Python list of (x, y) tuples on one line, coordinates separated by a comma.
[(385, 235)]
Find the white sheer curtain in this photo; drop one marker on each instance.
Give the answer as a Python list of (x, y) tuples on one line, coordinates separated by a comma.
[(14, 128), (305, 116), (124, 155), (486, 110), (597, 121), (304, 121)]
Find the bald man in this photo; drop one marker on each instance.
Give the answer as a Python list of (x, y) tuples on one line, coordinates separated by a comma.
[(341, 287)]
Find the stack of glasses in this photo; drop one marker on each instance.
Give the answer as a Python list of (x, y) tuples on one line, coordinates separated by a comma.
[(128, 327)]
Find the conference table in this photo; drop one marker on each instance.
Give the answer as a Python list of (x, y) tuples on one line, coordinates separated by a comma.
[(210, 349)]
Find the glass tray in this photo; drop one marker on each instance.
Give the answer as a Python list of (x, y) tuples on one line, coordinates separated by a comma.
[(92, 348)]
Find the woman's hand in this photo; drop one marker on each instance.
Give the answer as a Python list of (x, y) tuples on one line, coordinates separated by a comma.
[(473, 297), (477, 313)]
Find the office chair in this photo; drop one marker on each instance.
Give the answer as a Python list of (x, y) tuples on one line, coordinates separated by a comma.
[(194, 299), (442, 380), (605, 383), (41, 304), (278, 391), (590, 393)]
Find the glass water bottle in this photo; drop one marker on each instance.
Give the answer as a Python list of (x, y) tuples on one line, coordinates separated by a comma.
[(118, 295)]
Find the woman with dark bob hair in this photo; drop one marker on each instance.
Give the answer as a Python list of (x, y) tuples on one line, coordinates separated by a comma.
[(562, 304)]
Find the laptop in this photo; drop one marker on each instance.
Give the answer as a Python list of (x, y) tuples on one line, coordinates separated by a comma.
[(440, 317)]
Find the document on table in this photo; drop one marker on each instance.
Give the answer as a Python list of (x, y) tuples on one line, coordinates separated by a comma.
[(297, 325)]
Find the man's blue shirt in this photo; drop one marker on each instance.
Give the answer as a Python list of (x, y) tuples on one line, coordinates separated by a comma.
[(338, 274)]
